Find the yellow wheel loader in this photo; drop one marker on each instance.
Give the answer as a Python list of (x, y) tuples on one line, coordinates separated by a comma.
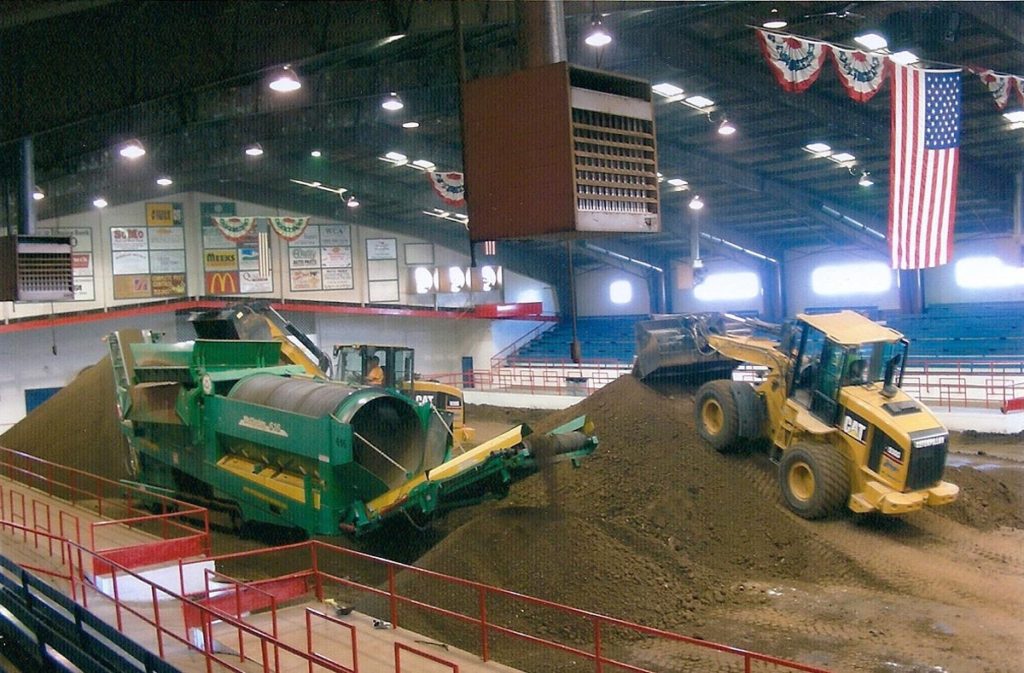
[(827, 402), (354, 364)]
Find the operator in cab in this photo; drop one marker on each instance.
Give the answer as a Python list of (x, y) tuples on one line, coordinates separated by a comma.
[(374, 372)]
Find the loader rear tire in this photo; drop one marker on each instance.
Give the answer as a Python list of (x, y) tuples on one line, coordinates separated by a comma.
[(814, 480), (716, 415)]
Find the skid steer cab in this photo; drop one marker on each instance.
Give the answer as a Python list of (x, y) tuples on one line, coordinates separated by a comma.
[(394, 367), (831, 410)]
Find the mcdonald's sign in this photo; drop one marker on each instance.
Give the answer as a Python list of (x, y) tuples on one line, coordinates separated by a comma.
[(222, 282)]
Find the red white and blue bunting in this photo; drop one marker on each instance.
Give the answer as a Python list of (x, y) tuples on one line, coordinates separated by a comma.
[(289, 228), (861, 73), (1002, 87), (450, 186), (234, 228), (795, 62)]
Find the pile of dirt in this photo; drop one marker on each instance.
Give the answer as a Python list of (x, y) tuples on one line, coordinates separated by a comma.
[(990, 497), (77, 427), (654, 527)]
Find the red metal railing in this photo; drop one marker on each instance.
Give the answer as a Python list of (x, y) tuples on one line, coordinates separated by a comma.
[(321, 553), (310, 614), (402, 647), (228, 606), (500, 358), (116, 504)]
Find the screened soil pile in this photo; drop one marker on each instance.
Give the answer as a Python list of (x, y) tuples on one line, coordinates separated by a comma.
[(655, 527), (77, 427), (658, 528), (989, 497)]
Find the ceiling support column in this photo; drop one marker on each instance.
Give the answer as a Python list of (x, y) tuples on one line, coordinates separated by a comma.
[(26, 191)]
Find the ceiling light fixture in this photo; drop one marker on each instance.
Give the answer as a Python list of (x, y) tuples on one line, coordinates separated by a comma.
[(37, 194), (254, 150), (164, 182), (871, 41), (316, 184), (678, 182), (316, 154), (396, 158), (843, 158), (904, 57), (696, 203), (352, 202), (821, 149), (667, 90), (726, 128), (392, 102), (699, 102), (424, 164), (598, 36), (286, 81), (865, 181), (1014, 116), (100, 202), (132, 149), (410, 125), (774, 20)]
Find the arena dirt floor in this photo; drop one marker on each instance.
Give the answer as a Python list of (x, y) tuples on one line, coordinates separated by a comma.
[(660, 529)]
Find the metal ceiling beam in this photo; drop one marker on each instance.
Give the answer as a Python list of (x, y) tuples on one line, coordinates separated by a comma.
[(1002, 18)]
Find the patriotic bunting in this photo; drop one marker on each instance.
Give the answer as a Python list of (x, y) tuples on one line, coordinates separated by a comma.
[(451, 186), (289, 228), (861, 74), (234, 228), (795, 62), (1000, 86)]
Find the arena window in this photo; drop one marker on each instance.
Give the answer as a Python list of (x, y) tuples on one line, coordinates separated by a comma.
[(721, 286), (834, 280), (975, 273), (620, 292)]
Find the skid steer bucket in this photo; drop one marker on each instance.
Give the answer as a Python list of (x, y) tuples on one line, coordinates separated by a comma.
[(676, 347)]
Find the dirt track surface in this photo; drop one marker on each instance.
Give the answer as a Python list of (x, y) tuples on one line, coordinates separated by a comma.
[(660, 529)]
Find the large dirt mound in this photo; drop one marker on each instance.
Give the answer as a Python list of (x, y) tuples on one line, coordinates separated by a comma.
[(77, 427), (659, 521), (989, 498)]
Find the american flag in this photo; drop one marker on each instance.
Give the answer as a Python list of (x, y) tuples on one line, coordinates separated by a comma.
[(923, 166)]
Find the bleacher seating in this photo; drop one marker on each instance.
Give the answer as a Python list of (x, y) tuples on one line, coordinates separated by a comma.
[(606, 339), (963, 330)]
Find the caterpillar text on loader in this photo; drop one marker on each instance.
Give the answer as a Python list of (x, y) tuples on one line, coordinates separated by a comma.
[(224, 424), (830, 406), (352, 366)]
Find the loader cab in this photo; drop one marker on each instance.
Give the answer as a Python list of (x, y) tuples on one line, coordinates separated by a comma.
[(354, 362), (828, 357)]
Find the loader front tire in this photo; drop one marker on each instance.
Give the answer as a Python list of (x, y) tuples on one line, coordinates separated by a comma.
[(814, 480), (716, 415)]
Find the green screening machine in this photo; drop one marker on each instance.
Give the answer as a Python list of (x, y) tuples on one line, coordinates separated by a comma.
[(223, 424)]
